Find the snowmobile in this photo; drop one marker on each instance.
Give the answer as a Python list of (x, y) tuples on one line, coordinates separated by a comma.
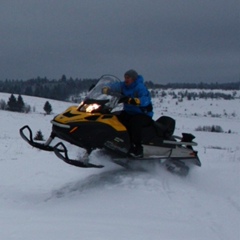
[(94, 124)]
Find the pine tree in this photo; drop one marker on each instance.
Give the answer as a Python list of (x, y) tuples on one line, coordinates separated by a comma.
[(39, 136), (12, 103), (20, 104), (47, 107)]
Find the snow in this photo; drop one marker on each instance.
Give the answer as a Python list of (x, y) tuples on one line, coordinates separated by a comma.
[(42, 197)]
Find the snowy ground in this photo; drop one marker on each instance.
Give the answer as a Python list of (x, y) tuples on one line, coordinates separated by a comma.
[(43, 198)]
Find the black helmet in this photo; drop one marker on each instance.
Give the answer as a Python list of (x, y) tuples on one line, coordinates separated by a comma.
[(132, 74)]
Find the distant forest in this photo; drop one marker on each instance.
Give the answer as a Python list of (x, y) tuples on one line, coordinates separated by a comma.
[(64, 87), (201, 85), (60, 89)]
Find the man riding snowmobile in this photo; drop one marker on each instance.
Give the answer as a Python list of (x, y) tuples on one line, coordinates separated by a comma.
[(137, 110)]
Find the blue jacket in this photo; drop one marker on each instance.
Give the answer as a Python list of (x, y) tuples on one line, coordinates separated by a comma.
[(137, 90)]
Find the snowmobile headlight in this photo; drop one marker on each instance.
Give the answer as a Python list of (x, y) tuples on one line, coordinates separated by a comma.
[(83, 107), (92, 107)]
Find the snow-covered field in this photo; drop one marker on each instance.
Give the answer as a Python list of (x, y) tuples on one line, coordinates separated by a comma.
[(43, 198)]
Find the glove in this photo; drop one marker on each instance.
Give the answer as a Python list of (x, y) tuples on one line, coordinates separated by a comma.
[(133, 101), (105, 90)]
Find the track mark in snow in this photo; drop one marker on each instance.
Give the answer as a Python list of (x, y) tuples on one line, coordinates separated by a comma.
[(117, 179), (235, 204), (217, 230)]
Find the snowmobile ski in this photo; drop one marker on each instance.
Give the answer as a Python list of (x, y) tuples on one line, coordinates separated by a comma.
[(43, 146), (61, 152)]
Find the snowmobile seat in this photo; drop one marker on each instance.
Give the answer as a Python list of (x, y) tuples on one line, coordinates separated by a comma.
[(164, 126)]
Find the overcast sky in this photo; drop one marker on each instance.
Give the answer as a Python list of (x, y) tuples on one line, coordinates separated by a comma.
[(164, 40)]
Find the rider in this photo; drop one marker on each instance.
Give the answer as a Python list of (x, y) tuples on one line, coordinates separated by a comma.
[(137, 110)]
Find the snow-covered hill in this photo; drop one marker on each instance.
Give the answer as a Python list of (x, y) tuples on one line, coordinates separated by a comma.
[(43, 198)]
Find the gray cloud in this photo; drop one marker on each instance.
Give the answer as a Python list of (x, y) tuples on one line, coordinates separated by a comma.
[(166, 41)]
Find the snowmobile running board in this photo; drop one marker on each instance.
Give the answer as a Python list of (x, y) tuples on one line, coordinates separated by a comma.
[(179, 143), (43, 146), (62, 154)]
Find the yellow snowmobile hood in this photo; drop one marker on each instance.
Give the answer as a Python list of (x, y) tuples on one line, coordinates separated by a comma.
[(73, 115)]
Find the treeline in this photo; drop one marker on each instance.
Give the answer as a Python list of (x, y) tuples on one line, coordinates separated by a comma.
[(63, 88), (14, 104), (201, 85), (18, 105), (189, 95), (59, 89), (203, 94)]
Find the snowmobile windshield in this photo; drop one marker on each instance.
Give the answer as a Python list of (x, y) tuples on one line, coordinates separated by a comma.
[(96, 100)]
